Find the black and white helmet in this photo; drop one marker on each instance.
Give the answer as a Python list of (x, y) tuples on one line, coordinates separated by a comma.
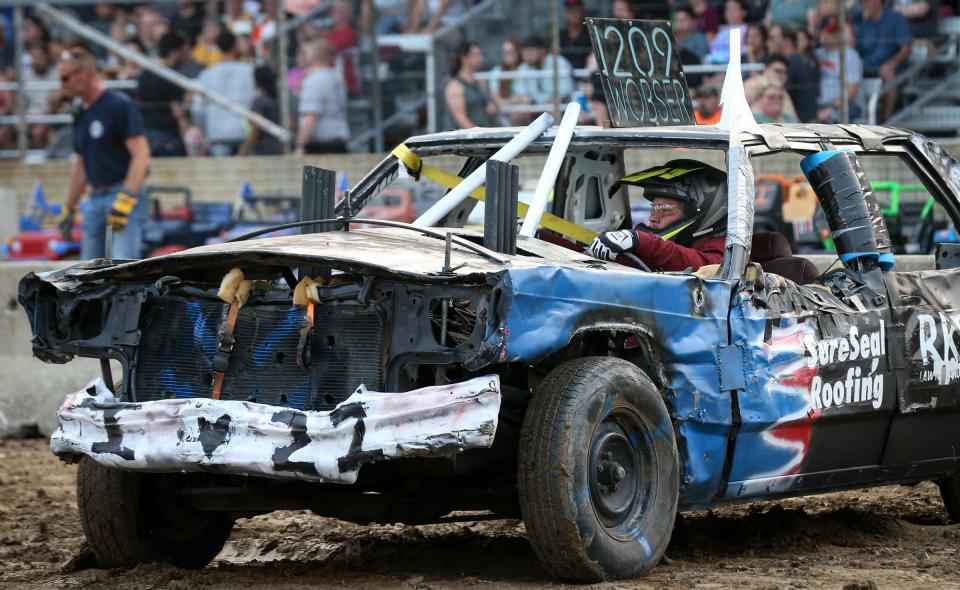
[(701, 188)]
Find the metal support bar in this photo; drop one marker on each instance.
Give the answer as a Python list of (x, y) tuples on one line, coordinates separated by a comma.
[(431, 83), (283, 91), (21, 95), (500, 209), (375, 85), (162, 71)]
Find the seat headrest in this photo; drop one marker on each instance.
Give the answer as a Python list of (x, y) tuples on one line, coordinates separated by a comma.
[(768, 245)]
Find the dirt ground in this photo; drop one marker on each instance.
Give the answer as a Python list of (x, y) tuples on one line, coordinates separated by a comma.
[(893, 537)]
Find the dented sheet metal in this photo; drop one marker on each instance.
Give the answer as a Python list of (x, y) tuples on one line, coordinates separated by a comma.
[(681, 319), (256, 439)]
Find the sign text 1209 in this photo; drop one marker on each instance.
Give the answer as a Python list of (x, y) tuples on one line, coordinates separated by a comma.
[(640, 72)]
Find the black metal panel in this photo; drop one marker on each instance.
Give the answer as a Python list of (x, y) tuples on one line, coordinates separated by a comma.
[(317, 199), (500, 212), (180, 338)]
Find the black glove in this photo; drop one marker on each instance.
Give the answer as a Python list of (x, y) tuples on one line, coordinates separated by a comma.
[(120, 212), (609, 245), (65, 222)]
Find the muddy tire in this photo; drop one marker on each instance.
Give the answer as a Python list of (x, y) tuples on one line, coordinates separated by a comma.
[(950, 492), (128, 519), (598, 471)]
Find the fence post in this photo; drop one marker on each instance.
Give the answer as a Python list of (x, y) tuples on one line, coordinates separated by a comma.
[(21, 94)]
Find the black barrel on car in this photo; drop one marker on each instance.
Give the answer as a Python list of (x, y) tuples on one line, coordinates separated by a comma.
[(858, 229)]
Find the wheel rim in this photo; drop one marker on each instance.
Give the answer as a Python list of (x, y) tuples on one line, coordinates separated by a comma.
[(621, 472)]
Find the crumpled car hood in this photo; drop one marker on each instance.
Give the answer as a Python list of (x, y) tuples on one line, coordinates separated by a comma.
[(384, 251)]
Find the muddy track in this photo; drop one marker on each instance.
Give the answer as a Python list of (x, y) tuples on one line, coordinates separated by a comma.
[(894, 537)]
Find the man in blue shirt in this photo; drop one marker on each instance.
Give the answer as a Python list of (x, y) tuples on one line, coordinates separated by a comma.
[(112, 157), (884, 42)]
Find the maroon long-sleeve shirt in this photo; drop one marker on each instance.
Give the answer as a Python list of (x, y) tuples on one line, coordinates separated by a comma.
[(665, 255)]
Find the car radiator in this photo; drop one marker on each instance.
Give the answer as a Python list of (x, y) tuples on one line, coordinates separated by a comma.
[(179, 339)]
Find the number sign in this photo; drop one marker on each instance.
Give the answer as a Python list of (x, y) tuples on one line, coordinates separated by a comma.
[(641, 73)]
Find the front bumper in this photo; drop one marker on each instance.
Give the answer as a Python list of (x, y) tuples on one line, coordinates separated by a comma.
[(247, 438)]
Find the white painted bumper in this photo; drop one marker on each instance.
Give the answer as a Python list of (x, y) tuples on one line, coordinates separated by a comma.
[(237, 437)]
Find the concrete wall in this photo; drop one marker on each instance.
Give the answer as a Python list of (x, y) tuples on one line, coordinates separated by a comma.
[(210, 178)]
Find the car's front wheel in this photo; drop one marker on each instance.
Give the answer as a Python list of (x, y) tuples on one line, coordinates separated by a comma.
[(598, 471), (132, 518)]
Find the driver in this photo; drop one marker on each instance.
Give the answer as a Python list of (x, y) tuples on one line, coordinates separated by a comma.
[(688, 218)]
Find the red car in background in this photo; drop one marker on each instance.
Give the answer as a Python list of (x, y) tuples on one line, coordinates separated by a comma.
[(43, 244), (392, 204)]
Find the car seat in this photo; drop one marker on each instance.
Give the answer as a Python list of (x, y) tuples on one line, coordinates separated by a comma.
[(772, 252)]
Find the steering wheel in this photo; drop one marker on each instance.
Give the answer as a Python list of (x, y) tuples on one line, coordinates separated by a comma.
[(636, 261)]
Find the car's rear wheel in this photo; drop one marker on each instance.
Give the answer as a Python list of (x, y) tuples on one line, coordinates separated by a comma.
[(598, 471), (950, 492), (131, 518)]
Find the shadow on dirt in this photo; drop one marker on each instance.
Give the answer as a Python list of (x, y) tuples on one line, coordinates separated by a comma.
[(498, 550)]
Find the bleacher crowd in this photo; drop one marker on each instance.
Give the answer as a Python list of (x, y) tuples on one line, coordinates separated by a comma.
[(229, 47)]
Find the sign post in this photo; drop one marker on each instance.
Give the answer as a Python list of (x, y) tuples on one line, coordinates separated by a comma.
[(641, 73)]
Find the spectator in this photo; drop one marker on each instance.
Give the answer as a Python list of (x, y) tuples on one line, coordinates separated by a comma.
[(796, 14), (150, 27), (187, 20), (828, 56), (112, 158), (539, 90), (708, 109), (265, 104), (756, 44), (233, 80), (574, 39), (35, 33), (265, 30), (503, 92), (921, 15), (161, 102), (205, 52), (343, 37), (774, 72), (323, 124), (735, 12), (128, 69), (708, 21), (41, 70), (884, 42), (622, 9), (805, 44), (686, 34), (768, 108), (245, 50), (803, 75), (468, 102), (236, 19)]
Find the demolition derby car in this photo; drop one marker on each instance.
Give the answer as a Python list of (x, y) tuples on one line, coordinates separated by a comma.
[(404, 373)]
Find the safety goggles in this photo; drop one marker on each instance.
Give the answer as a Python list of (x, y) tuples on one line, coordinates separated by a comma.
[(664, 208)]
